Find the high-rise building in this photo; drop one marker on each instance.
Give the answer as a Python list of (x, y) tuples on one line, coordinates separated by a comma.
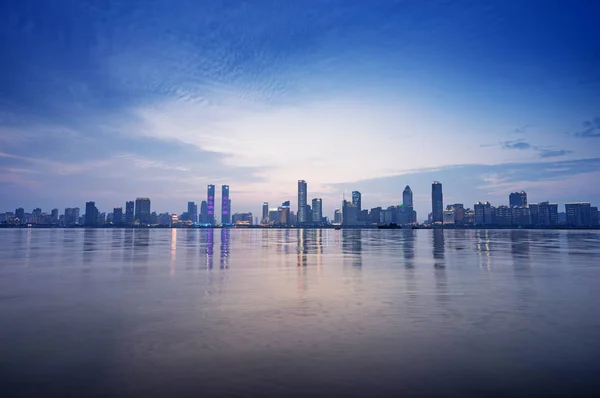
[(375, 215), (437, 203), (225, 205), (91, 214), (357, 200), (459, 212), (483, 213), (544, 214), (192, 209), (117, 216), (142, 211), (337, 216), (349, 213), (129, 212), (204, 212), (317, 210), (211, 204), (517, 199), (284, 214), (265, 213), (20, 214), (302, 192), (242, 219), (54, 215), (579, 214), (407, 196), (595, 220)]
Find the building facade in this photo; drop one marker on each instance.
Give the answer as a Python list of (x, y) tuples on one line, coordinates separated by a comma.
[(302, 194), (437, 203), (317, 211), (225, 205), (210, 201)]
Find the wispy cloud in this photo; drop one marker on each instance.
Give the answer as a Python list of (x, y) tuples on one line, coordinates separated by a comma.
[(591, 129), (517, 144)]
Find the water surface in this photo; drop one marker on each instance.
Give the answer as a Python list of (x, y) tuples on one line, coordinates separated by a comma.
[(101, 312)]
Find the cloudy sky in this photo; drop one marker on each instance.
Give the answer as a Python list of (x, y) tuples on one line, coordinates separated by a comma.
[(110, 100)]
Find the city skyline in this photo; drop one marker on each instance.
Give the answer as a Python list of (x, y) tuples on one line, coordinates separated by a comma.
[(395, 94), (519, 212)]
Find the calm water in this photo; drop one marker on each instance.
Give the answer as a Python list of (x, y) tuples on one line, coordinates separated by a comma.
[(296, 313)]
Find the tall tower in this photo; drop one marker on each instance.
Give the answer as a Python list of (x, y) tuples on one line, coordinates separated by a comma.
[(91, 214), (210, 198), (129, 207), (407, 196), (317, 210), (265, 213), (357, 201), (142, 210), (302, 189), (204, 212), (437, 203), (225, 205), (192, 212)]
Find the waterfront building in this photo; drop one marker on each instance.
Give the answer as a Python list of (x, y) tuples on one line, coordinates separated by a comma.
[(437, 203), (302, 198), (142, 211), (317, 211)]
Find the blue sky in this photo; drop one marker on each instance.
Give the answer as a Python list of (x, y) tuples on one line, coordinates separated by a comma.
[(111, 100)]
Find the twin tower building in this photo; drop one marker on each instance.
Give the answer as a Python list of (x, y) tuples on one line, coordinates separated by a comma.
[(207, 208)]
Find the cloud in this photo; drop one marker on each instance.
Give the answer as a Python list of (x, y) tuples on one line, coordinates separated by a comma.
[(517, 144), (549, 153), (591, 129)]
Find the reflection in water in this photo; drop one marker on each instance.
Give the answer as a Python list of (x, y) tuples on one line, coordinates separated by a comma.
[(301, 247), (224, 248), (352, 246), (128, 245), (89, 241), (483, 248), (520, 248), (408, 247), (438, 248), (116, 245), (173, 253), (210, 243)]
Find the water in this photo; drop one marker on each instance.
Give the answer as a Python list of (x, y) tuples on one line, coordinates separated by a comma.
[(299, 312)]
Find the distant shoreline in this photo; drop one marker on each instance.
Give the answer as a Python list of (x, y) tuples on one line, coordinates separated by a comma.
[(495, 227)]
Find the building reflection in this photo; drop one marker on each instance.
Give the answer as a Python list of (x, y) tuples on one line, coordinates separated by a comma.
[(116, 244), (225, 248), (439, 264), (141, 247), (352, 246), (439, 255), (408, 247), (520, 249), (128, 245), (173, 252), (89, 242), (482, 237), (210, 243), (302, 247)]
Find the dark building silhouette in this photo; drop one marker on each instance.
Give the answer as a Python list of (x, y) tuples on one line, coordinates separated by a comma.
[(204, 212), (91, 214), (142, 211), (118, 216), (192, 210), (437, 203), (265, 213), (20, 214), (317, 210), (517, 199), (129, 212)]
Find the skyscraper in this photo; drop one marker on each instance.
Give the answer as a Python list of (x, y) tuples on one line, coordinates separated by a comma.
[(225, 205), (317, 210), (407, 196), (204, 212), (20, 214), (349, 213), (118, 215), (265, 213), (357, 201), (129, 209), (517, 199), (91, 214), (437, 203), (192, 210), (302, 189), (579, 214), (142, 211), (54, 215), (211, 205)]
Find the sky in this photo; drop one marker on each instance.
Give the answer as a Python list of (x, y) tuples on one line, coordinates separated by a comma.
[(113, 100)]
